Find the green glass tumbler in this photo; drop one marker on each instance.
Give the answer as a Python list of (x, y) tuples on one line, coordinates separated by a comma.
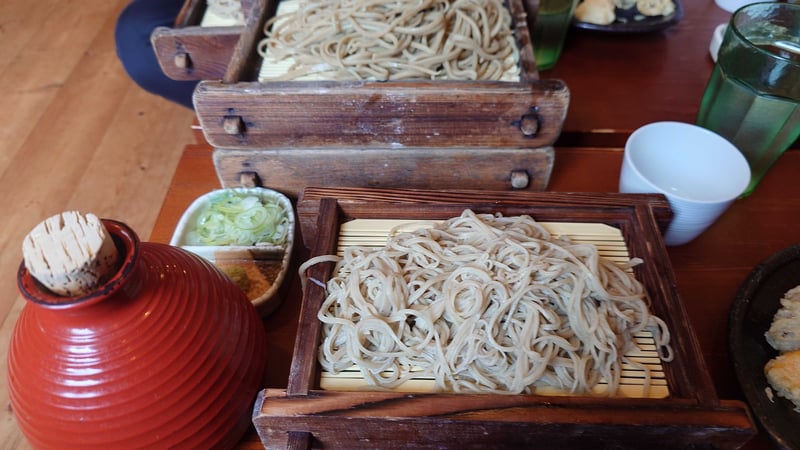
[(753, 96), (549, 31)]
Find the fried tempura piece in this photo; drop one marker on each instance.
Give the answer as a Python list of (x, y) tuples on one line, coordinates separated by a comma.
[(600, 12), (783, 374), (784, 332), (655, 7)]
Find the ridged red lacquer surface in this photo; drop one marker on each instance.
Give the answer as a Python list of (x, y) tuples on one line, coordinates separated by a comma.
[(169, 353)]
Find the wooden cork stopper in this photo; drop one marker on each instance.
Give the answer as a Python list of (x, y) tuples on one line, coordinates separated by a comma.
[(69, 253)]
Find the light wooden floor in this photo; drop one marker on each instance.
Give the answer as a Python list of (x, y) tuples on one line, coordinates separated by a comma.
[(75, 134)]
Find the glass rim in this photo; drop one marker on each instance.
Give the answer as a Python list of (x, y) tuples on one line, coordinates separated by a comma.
[(770, 5)]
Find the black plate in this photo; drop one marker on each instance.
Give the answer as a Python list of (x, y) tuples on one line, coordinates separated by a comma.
[(751, 315), (626, 23)]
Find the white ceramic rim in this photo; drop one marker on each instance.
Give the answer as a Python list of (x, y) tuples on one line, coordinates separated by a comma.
[(179, 235), (736, 154), (747, 41), (716, 40)]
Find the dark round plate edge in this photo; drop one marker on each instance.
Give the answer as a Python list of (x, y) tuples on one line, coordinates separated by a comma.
[(635, 27), (740, 307)]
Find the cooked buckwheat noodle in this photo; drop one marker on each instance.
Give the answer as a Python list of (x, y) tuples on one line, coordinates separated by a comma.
[(392, 39), (484, 303)]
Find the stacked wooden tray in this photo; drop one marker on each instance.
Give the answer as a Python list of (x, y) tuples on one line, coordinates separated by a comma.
[(192, 50), (288, 135), (305, 415)]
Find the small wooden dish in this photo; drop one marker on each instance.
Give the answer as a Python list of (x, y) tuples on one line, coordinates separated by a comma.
[(258, 269)]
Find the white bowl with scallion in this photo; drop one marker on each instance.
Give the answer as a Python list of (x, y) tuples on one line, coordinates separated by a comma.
[(246, 232)]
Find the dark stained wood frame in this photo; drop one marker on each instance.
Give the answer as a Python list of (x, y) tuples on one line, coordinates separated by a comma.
[(304, 416), (187, 51), (239, 112), (293, 170)]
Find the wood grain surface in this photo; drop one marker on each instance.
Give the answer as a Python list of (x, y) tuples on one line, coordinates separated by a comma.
[(76, 133)]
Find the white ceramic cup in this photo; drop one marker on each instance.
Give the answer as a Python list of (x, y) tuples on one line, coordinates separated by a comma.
[(700, 173)]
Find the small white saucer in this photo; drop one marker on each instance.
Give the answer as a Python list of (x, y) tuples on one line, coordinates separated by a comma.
[(716, 40), (733, 5)]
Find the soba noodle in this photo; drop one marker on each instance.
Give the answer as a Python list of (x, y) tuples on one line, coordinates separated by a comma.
[(392, 39), (483, 303)]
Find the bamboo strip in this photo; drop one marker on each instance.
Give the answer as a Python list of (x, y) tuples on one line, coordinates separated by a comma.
[(417, 385), (211, 19), (628, 371)]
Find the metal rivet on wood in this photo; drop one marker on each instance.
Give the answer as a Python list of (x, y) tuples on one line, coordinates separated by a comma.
[(529, 123), (233, 124), (249, 179), (519, 179), (182, 60)]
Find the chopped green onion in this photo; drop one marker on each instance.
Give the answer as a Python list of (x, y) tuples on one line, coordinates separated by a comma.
[(240, 219)]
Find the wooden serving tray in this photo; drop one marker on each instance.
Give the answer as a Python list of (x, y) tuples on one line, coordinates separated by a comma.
[(238, 112), (304, 416), (492, 135)]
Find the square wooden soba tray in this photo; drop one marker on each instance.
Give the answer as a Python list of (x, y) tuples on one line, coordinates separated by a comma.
[(433, 134), (684, 412)]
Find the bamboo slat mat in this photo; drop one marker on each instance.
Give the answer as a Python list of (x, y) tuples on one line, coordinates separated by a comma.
[(210, 19), (610, 244)]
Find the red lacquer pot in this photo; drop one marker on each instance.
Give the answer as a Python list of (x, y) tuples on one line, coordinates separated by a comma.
[(167, 354)]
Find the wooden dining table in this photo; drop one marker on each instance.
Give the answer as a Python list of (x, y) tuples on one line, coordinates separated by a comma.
[(618, 82)]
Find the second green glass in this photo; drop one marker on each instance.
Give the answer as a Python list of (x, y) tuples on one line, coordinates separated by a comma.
[(550, 29), (753, 95)]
